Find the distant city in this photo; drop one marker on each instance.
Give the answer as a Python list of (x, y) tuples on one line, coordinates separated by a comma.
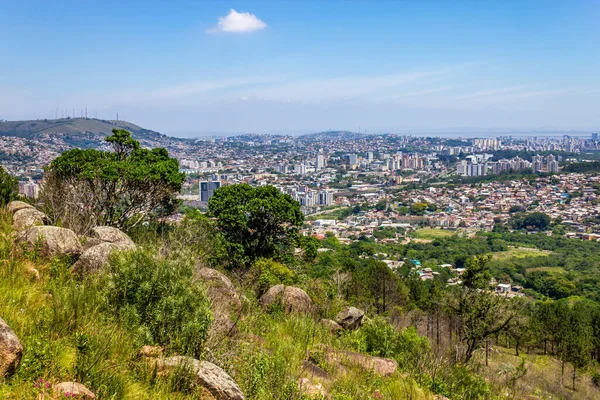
[(355, 184)]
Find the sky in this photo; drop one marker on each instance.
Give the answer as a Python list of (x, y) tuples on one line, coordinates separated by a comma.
[(192, 68)]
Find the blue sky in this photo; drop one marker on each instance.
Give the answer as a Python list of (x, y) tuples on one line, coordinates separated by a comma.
[(189, 68)]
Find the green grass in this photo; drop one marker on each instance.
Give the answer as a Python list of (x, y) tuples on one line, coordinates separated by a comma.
[(69, 332), (519, 252), (431, 233), (335, 213)]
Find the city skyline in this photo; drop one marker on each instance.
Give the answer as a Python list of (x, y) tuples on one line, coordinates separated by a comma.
[(190, 69)]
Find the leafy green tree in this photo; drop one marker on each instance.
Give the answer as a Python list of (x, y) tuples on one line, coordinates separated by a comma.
[(121, 188), (578, 337), (477, 274), (310, 245), (418, 208), (535, 221), (8, 187), (480, 314), (254, 222), (381, 205)]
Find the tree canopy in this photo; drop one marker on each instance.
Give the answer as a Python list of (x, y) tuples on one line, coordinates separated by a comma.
[(254, 222), (120, 188), (8, 187)]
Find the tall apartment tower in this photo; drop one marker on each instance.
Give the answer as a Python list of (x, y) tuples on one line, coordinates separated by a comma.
[(207, 189), (320, 161)]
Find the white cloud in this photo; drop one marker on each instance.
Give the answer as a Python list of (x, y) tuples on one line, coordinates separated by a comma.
[(238, 22)]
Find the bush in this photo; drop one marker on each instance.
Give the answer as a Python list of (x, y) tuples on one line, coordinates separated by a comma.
[(269, 273), (379, 337), (159, 299), (9, 187)]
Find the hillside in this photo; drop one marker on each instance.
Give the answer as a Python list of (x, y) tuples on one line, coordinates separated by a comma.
[(74, 129), (155, 318)]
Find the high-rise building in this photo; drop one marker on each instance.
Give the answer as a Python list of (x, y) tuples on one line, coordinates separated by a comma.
[(325, 198), (320, 161), (300, 169), (207, 189), (461, 168), (352, 160), (370, 157), (595, 137)]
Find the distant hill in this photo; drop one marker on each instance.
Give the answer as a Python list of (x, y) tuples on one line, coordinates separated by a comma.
[(75, 131), (333, 135)]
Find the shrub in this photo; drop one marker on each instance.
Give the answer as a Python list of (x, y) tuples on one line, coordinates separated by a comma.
[(8, 187), (269, 273), (159, 299), (379, 337)]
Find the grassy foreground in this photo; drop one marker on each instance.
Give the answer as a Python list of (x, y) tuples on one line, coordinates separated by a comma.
[(70, 332)]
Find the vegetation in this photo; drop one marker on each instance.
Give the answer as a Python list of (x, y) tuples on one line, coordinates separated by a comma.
[(254, 222), (8, 187), (90, 328), (122, 188)]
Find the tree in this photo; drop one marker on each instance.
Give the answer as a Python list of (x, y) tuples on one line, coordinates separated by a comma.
[(577, 337), (120, 188), (8, 187), (535, 220), (479, 313), (418, 208), (254, 222), (310, 245)]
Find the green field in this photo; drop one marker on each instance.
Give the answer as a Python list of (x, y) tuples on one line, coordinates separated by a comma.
[(431, 233), (519, 252)]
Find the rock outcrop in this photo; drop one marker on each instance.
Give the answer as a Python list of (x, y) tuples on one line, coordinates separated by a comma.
[(379, 365), (72, 390), (16, 205), (333, 326), (208, 375), (51, 241), (350, 318), (150, 352), (99, 246), (11, 350), (111, 235), (312, 389), (292, 299), (95, 258), (28, 217), (225, 300)]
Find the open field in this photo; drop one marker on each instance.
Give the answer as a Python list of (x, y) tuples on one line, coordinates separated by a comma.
[(431, 233), (519, 252)]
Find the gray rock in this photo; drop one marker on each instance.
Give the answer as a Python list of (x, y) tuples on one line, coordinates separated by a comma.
[(333, 326), (379, 365), (16, 205), (11, 350), (272, 296), (52, 241), (73, 390), (225, 300), (291, 298), (296, 300), (96, 258), (28, 217), (111, 235), (350, 318), (208, 375)]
